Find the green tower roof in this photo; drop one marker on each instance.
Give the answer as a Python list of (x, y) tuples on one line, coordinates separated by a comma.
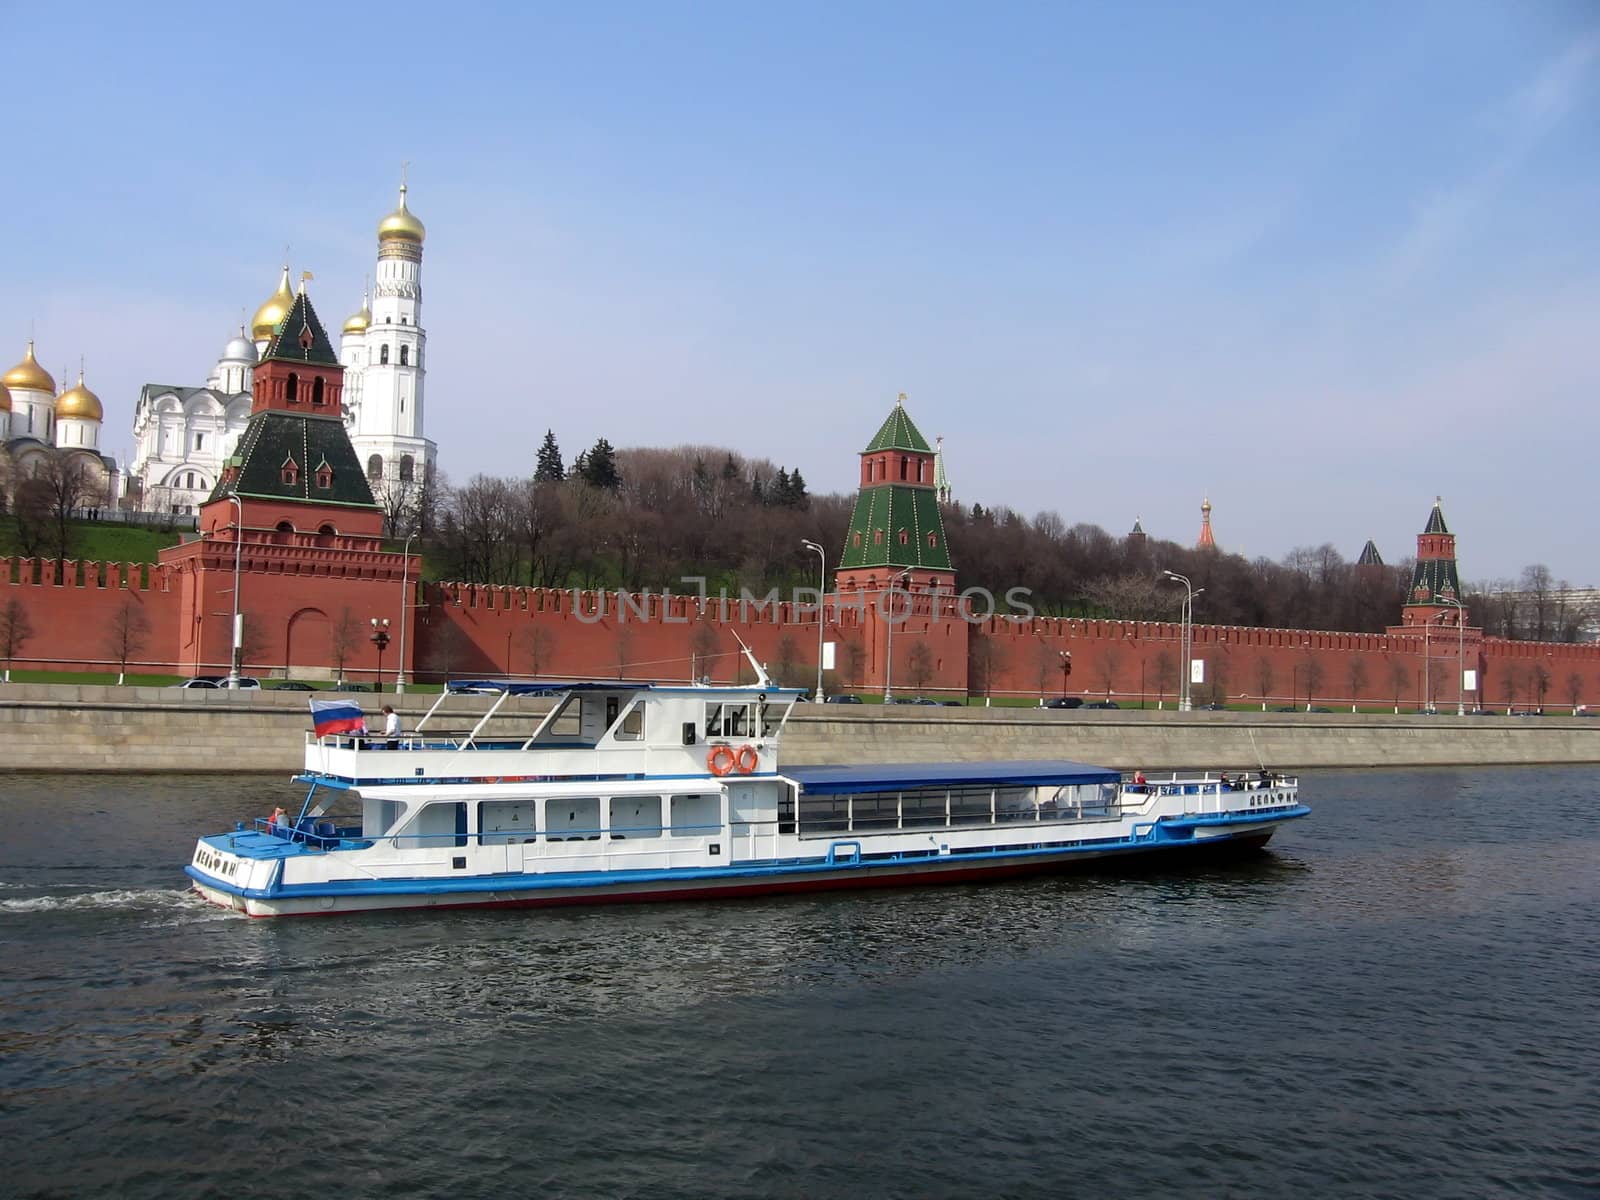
[(896, 526), (281, 455), (1436, 519), (300, 337), (898, 433)]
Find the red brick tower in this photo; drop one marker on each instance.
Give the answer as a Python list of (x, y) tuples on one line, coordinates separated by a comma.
[(1435, 585), (294, 520)]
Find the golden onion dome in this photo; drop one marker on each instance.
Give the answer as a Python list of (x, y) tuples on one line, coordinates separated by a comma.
[(79, 402), (401, 225), (28, 375), (359, 322), (276, 307), (5, 398)]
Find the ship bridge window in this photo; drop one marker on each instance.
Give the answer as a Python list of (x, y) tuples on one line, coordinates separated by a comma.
[(736, 720), (572, 819), (698, 815), (635, 817)]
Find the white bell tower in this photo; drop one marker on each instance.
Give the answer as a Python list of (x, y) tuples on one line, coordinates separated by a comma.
[(387, 419)]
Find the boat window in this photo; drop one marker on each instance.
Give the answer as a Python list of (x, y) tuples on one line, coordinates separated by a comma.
[(503, 821), (631, 728), (697, 815), (635, 817), (441, 824), (572, 819), (567, 722)]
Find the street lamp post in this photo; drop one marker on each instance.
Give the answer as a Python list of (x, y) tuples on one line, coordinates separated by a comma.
[(822, 608), (1189, 593), (238, 628), (405, 603), (888, 650), (1066, 669), (1461, 651), (380, 639)]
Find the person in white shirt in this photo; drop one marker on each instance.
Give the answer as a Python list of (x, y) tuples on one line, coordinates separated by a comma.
[(391, 727)]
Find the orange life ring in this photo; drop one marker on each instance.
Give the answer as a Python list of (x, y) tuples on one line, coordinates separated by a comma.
[(746, 760), (721, 760)]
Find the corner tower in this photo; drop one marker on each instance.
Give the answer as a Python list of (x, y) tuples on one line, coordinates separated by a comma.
[(896, 532)]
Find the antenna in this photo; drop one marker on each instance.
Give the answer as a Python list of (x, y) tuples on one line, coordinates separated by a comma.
[(762, 680)]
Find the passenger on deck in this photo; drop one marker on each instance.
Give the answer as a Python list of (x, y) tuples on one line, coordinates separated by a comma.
[(1139, 784), (1266, 777), (391, 728), (278, 822), (1224, 783)]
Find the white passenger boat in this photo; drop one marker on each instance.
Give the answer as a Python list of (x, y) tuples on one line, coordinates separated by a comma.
[(632, 792)]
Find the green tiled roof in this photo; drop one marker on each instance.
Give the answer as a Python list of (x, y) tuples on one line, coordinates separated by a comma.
[(274, 438), (881, 514), (1369, 555), (1436, 520), (1434, 577), (898, 433), (300, 337)]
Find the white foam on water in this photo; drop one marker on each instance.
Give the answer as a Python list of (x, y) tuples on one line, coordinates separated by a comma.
[(132, 899)]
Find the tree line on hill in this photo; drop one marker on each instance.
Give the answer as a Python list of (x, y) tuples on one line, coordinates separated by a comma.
[(647, 518)]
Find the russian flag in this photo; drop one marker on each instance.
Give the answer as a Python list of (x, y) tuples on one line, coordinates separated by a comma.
[(337, 716)]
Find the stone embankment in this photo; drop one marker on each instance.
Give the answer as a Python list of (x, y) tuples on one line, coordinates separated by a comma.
[(49, 727)]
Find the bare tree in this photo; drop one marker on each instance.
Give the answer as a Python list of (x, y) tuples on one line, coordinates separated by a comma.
[(1264, 678), (1107, 667), (1541, 682), (538, 644), (1315, 674), (126, 633), (703, 646), (788, 660), (1511, 684), (1357, 679), (343, 637), (622, 643), (919, 665), (446, 648), (1399, 677), (67, 484), (985, 660), (1574, 690), (855, 658), (15, 631)]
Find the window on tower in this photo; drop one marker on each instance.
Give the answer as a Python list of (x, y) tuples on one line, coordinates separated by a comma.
[(375, 466), (407, 468), (317, 395), (383, 355), (291, 389), (290, 472), (405, 356)]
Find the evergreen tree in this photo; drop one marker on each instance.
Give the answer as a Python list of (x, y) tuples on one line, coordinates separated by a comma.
[(779, 496), (798, 497), (598, 466), (549, 468), (730, 469)]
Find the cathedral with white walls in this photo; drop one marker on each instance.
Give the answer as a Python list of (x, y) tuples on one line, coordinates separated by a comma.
[(184, 436), (34, 420)]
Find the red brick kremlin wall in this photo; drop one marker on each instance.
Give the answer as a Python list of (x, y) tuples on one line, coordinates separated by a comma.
[(293, 598)]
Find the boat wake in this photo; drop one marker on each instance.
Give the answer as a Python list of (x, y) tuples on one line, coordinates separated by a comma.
[(142, 900)]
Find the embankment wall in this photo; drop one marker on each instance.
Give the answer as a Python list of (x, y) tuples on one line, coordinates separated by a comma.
[(84, 728)]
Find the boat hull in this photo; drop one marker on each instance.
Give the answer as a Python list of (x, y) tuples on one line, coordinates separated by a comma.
[(734, 883)]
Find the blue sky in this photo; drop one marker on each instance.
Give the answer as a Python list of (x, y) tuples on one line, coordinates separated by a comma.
[(1320, 262)]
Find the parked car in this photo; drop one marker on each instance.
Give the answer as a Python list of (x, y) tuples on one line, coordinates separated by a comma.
[(1064, 702), (954, 703), (350, 685), (292, 685), (1212, 707), (218, 681), (1102, 704), (913, 700), (844, 698)]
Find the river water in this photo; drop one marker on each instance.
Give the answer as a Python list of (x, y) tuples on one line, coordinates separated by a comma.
[(1401, 998)]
